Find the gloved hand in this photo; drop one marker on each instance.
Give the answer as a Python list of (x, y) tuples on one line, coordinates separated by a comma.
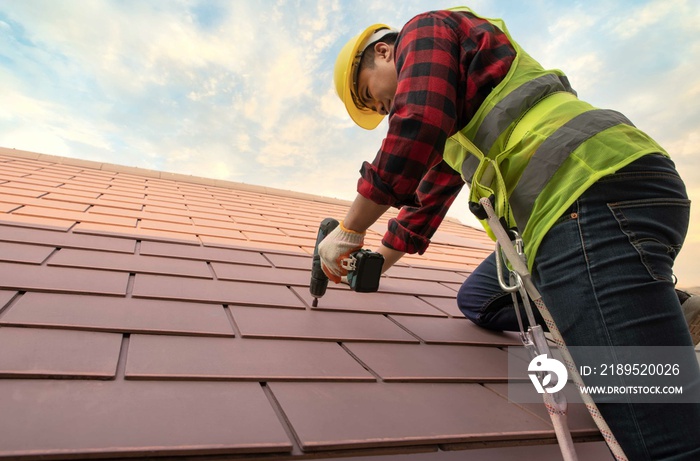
[(337, 246)]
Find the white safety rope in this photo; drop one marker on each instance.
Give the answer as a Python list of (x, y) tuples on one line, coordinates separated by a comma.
[(535, 342)]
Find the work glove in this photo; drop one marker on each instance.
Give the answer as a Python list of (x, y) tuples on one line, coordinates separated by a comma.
[(337, 246)]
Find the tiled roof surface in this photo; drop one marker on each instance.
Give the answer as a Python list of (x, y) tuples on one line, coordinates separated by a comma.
[(148, 314)]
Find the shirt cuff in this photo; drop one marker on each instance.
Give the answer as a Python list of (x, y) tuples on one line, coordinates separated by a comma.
[(371, 187), (400, 238)]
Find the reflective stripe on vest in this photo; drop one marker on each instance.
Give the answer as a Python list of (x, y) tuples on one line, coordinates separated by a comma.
[(513, 106), (509, 110), (553, 152)]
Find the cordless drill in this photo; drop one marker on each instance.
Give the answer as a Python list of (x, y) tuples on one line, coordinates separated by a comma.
[(364, 267)]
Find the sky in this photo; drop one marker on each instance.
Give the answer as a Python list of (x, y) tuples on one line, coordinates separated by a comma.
[(242, 90)]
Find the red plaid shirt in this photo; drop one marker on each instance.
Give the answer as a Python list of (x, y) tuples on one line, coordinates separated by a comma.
[(447, 63)]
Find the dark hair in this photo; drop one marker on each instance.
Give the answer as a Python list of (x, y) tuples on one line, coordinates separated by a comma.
[(367, 59)]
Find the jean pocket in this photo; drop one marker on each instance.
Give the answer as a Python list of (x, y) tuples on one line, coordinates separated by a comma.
[(656, 228)]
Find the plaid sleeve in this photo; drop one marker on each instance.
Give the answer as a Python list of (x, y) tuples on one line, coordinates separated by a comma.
[(422, 115), (412, 229), (447, 63)]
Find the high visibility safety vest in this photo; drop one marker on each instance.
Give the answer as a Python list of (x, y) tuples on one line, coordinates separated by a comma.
[(536, 147)]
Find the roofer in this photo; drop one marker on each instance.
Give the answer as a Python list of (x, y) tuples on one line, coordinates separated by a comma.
[(599, 204)]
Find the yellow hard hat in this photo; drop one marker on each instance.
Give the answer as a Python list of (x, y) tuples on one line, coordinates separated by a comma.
[(346, 66)]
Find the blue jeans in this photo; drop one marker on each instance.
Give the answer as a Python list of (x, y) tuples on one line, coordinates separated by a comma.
[(605, 273)]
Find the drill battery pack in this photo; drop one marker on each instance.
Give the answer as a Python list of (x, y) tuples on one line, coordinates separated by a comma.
[(364, 271)]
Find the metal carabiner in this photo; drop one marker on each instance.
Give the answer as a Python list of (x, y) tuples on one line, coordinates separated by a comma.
[(500, 256), (499, 270)]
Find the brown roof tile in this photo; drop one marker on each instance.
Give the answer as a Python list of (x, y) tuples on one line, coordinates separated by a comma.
[(21, 253), (434, 363), (31, 352), (214, 291), (135, 233), (35, 221), (75, 418), (329, 416), (62, 279), (147, 314), (381, 303), (129, 263), (116, 314), (179, 251), (446, 305), (454, 331), (317, 324), (578, 419), (170, 357)]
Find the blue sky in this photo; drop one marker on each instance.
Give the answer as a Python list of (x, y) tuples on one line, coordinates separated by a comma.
[(242, 90)]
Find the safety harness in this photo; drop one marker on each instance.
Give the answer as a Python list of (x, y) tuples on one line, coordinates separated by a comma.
[(511, 250)]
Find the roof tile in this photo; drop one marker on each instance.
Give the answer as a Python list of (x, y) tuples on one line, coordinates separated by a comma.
[(289, 261), (126, 315), (454, 331), (417, 287), (31, 352), (172, 250), (425, 274), (434, 363), (21, 253), (42, 212), (454, 286), (146, 234), (12, 194), (315, 324), (59, 205), (446, 305), (279, 245), (131, 418), (223, 292), (163, 357), (578, 419), (62, 279), (36, 222), (140, 214), (91, 198), (363, 415), (225, 271), (129, 263), (343, 299)]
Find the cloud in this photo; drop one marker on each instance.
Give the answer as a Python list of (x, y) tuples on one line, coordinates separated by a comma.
[(284, 82), (648, 16), (576, 23), (43, 126)]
